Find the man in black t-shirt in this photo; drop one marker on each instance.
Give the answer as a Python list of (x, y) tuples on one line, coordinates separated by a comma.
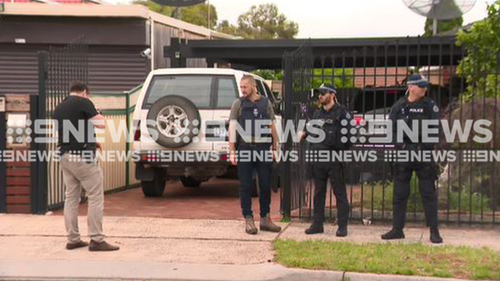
[(76, 119)]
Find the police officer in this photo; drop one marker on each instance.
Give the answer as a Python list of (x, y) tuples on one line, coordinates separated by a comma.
[(254, 151), (414, 108), (332, 114)]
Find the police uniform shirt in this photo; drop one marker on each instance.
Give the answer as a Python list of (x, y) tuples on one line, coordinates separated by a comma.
[(423, 109), (333, 117)]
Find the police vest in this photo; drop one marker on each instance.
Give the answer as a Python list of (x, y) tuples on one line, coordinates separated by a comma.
[(334, 139), (250, 112)]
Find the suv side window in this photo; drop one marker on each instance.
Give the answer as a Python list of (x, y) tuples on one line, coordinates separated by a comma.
[(227, 92), (193, 87), (270, 93), (260, 88)]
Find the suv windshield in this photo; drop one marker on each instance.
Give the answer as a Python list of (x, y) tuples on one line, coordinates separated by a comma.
[(196, 88)]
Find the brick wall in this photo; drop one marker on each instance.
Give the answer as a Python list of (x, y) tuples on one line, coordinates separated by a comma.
[(18, 173)]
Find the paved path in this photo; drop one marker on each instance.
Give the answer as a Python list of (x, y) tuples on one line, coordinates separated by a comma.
[(175, 249)]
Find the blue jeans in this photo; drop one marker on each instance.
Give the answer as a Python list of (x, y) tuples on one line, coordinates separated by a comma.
[(246, 172)]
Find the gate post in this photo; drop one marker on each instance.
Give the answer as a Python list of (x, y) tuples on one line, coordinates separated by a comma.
[(39, 187), (286, 200), (3, 166)]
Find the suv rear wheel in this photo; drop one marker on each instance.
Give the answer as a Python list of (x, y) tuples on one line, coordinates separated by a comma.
[(156, 187)]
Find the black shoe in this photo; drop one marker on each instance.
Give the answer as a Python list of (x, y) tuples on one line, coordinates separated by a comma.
[(315, 229), (394, 234), (102, 246), (435, 237), (76, 245), (342, 231)]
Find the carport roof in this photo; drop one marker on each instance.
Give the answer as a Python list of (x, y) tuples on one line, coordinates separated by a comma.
[(268, 54)]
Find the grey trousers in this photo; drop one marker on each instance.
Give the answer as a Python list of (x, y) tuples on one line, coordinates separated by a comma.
[(78, 174)]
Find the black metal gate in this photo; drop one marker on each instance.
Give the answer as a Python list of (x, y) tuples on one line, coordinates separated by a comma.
[(298, 74), (58, 68), (369, 79)]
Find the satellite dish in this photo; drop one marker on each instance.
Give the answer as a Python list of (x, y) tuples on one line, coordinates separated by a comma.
[(440, 9), (179, 3)]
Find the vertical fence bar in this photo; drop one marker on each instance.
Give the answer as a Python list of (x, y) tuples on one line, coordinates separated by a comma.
[(127, 140), (288, 92), (39, 184), (384, 184), (372, 183), (348, 104), (3, 166), (493, 186), (451, 102), (460, 149), (363, 98)]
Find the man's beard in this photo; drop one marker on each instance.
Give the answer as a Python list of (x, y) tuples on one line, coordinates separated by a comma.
[(326, 100)]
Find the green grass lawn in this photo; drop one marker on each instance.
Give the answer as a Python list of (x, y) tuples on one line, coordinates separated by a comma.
[(393, 258)]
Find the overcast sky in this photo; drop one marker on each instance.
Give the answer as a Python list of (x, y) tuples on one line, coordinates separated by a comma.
[(342, 18)]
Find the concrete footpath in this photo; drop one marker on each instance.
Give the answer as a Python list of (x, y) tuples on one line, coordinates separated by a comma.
[(32, 247)]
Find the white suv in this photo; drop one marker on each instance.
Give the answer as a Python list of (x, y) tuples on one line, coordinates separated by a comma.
[(184, 112)]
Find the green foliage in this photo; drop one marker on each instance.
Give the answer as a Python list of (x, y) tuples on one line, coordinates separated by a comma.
[(469, 201), (480, 67), (269, 74), (381, 197), (340, 78), (261, 22), (443, 25), (390, 258), (227, 28), (197, 14)]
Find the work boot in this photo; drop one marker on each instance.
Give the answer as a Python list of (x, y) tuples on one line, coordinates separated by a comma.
[(435, 237), (76, 245), (342, 231), (394, 233), (250, 226), (266, 224), (102, 246), (315, 229)]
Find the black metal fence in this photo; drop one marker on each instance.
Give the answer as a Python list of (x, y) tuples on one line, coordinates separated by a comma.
[(370, 79), (58, 68)]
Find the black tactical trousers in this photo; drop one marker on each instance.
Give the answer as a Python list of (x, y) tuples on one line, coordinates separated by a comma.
[(427, 175), (322, 171)]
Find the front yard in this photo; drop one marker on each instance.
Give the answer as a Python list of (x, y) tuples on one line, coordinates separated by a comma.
[(391, 258)]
